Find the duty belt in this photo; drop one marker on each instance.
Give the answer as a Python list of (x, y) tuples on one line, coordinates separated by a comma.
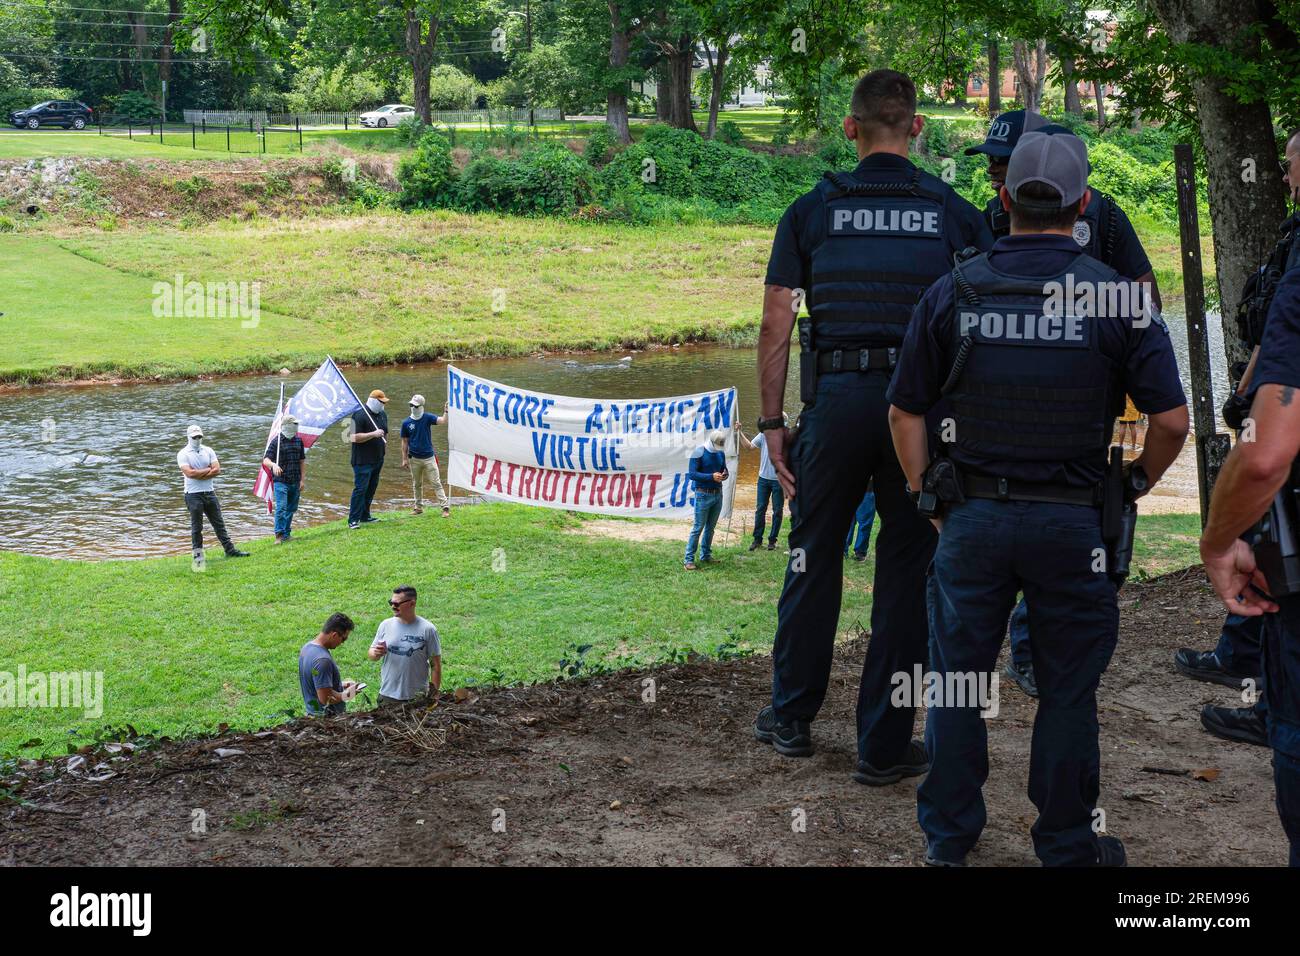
[(857, 360), (1007, 489)]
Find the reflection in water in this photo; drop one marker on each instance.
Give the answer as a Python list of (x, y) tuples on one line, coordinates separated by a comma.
[(91, 471)]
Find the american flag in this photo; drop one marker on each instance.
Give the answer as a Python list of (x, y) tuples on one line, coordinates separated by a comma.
[(326, 398)]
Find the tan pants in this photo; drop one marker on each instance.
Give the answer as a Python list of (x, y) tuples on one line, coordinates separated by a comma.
[(427, 466)]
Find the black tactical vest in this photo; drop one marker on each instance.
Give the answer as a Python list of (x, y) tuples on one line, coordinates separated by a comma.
[(1095, 231), (885, 244), (1035, 385)]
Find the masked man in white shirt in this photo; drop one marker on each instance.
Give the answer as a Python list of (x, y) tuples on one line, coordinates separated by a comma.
[(199, 464)]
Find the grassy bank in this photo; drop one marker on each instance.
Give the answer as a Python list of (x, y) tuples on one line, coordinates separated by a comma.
[(181, 652), (375, 288)]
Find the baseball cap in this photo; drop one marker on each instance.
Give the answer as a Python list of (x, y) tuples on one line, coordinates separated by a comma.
[(1056, 129), (417, 400), (1005, 131), (379, 395), (717, 439), (1057, 161), (194, 431), (288, 420)]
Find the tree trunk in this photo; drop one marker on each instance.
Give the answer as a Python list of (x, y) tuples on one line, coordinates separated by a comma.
[(620, 42), (419, 53), (995, 79), (1099, 93), (1031, 67), (1245, 209), (681, 57), (717, 76), (1071, 86), (664, 80)]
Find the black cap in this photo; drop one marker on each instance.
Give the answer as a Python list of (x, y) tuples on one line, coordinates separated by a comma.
[(1005, 131)]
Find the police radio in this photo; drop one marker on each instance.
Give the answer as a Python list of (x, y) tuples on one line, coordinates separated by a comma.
[(807, 362)]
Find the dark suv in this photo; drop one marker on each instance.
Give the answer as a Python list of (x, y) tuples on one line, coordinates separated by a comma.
[(66, 113)]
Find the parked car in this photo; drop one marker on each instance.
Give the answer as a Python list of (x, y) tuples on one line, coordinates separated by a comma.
[(389, 115), (66, 113)]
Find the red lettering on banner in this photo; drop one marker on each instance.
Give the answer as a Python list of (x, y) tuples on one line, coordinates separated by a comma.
[(577, 492), (617, 484), (598, 489), (654, 481), (494, 477), (635, 484), (550, 482), (568, 476), (526, 482), (480, 465), (510, 479)]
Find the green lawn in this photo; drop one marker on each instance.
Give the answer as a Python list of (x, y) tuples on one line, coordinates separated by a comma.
[(374, 288), (48, 143), (181, 651)]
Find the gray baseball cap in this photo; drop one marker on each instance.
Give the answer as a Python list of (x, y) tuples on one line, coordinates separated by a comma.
[(1057, 161)]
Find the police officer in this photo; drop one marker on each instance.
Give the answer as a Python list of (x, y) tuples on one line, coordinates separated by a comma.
[(1000, 343), (864, 245), (1104, 232), (1236, 659), (1254, 472)]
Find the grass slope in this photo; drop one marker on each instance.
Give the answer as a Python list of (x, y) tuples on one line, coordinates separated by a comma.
[(181, 651)]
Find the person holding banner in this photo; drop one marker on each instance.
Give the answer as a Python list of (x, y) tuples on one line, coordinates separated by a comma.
[(418, 456), (769, 489), (863, 245), (369, 443), (285, 458), (707, 471)]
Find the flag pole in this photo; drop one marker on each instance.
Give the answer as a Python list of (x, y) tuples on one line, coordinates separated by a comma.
[(357, 397), (279, 416)]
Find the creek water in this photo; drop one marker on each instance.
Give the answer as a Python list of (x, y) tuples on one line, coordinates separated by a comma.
[(90, 471)]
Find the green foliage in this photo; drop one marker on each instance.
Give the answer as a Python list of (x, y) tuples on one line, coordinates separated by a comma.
[(450, 89), (547, 179), (601, 144), (426, 175), (730, 133), (340, 89), (409, 131), (134, 105)]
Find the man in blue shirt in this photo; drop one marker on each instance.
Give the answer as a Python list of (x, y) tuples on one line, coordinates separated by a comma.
[(769, 489), (1022, 352), (418, 456), (707, 471), (323, 690), (863, 246), (1253, 474)]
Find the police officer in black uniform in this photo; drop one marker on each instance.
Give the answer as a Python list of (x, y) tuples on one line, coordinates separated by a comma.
[(1104, 232), (1002, 342), (864, 245), (1237, 658), (1252, 581)]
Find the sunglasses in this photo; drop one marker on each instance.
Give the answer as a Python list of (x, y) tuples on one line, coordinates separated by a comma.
[(396, 604)]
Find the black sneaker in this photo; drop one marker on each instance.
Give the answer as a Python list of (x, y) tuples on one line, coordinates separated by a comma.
[(1204, 665), (913, 764), (789, 740), (354, 525), (369, 520), (1023, 675), (236, 554), (1239, 724), (754, 545), (771, 546), (859, 557), (1110, 852), (932, 860)]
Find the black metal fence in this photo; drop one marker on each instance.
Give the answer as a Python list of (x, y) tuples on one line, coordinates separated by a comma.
[(249, 138)]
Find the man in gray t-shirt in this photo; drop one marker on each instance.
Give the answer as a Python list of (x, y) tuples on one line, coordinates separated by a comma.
[(323, 690), (410, 649)]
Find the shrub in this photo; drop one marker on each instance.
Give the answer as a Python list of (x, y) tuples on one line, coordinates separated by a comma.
[(731, 174), (134, 105), (409, 131), (729, 133), (427, 175), (601, 144), (546, 179)]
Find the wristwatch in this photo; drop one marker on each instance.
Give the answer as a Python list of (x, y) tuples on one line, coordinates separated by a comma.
[(766, 424)]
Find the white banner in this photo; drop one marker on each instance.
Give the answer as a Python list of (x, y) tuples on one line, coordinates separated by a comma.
[(608, 456)]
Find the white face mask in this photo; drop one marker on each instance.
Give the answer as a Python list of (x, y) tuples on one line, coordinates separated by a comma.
[(196, 442), (289, 429), (417, 411), (374, 404)]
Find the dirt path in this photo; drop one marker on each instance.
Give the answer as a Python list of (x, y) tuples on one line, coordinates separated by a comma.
[(586, 772)]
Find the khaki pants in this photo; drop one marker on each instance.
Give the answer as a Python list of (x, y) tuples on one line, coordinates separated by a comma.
[(427, 466)]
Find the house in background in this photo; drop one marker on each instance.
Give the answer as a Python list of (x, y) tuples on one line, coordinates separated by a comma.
[(753, 92)]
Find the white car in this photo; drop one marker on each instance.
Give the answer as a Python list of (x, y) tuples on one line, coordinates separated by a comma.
[(389, 115)]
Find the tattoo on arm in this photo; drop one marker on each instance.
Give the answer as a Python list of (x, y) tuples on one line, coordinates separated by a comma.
[(1288, 393)]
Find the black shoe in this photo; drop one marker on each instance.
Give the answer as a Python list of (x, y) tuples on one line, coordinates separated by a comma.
[(932, 860), (354, 525), (771, 546), (789, 740), (1023, 675), (754, 546), (859, 557), (369, 520), (1240, 724), (1204, 665), (1110, 852), (913, 764), (236, 554)]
